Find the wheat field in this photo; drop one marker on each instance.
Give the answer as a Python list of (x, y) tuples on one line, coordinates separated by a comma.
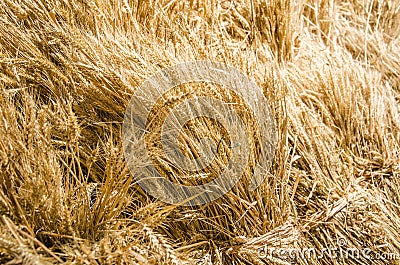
[(329, 71)]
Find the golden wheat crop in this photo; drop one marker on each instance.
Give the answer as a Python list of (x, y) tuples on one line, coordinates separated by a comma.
[(329, 70)]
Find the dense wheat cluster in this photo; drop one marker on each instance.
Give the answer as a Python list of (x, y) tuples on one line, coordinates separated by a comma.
[(329, 70)]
